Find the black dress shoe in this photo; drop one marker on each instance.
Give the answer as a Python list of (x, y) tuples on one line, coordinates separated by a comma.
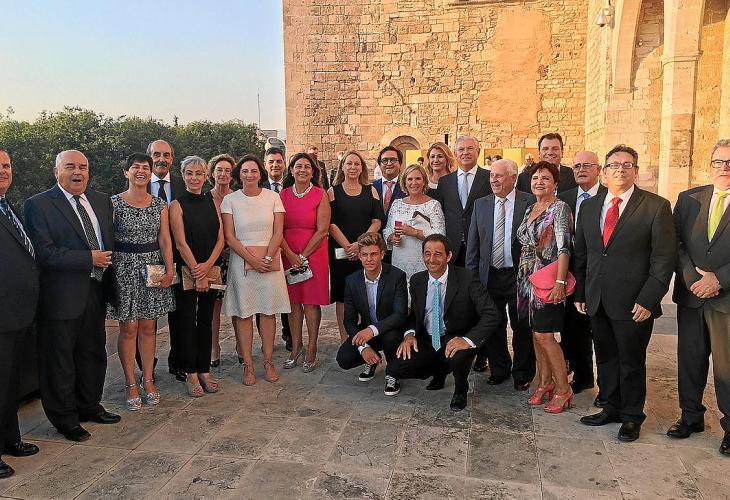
[(725, 445), (103, 417), (458, 402), (437, 383), (683, 430), (522, 386), (599, 402), (77, 434), (600, 418), (480, 364), (179, 374), (5, 470), (215, 363), (21, 449), (581, 385), (492, 380), (629, 431)]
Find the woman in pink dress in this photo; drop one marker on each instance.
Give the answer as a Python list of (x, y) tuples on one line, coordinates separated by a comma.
[(306, 225)]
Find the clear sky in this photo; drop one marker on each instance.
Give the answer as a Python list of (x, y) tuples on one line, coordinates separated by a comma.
[(199, 60)]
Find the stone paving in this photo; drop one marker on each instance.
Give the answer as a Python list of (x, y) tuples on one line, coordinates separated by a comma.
[(326, 435)]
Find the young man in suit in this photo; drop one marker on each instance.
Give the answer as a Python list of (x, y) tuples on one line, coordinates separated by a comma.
[(550, 149), (701, 289), (493, 251), (458, 191), (376, 307), (72, 230), (19, 292), (576, 340), (625, 252), (451, 315)]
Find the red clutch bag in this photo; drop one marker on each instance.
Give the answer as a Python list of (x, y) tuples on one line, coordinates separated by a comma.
[(543, 281)]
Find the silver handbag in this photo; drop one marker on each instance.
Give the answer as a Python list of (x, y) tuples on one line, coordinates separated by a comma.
[(299, 274)]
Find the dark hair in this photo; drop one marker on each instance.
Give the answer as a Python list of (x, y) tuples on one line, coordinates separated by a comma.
[(497, 157), (437, 237), (390, 148), (544, 165), (551, 137), (289, 178), (137, 157), (274, 151), (623, 148), (373, 238), (236, 174)]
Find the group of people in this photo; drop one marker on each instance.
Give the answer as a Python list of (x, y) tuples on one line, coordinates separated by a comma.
[(427, 266)]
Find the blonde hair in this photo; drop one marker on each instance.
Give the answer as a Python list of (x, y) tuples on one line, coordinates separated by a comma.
[(450, 160), (410, 168), (368, 239), (364, 175)]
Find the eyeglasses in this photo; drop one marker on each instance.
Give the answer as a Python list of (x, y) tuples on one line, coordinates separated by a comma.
[(718, 164), (584, 166), (628, 165), (386, 161)]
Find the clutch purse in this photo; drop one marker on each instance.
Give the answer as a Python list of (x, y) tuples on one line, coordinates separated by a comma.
[(153, 273), (340, 254), (214, 278), (543, 281), (261, 252), (299, 274)]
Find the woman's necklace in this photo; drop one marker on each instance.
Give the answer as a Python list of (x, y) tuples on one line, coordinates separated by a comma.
[(305, 191)]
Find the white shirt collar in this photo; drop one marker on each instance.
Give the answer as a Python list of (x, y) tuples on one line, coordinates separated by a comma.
[(280, 181), (716, 191), (592, 191), (509, 197), (166, 178), (443, 279), (69, 196), (624, 197), (473, 171), (377, 278)]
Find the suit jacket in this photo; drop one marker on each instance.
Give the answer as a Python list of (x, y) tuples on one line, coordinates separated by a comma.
[(468, 309), (19, 283), (391, 307), (567, 181), (570, 197), (176, 184), (481, 233), (323, 177), (637, 264), (458, 219), (62, 251), (398, 193), (691, 217)]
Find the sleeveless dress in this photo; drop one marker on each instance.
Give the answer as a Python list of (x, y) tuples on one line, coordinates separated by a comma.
[(137, 226), (300, 223)]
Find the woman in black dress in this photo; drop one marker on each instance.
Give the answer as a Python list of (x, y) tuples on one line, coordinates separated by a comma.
[(198, 234), (356, 210)]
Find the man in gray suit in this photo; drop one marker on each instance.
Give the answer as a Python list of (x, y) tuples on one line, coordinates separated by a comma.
[(494, 251), (701, 293)]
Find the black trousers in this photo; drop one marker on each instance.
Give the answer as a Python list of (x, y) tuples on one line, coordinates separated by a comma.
[(427, 363), (72, 362), (621, 358), (577, 343), (11, 352), (348, 355), (502, 287), (193, 329)]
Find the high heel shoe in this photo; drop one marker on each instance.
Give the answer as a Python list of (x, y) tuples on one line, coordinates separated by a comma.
[(133, 404), (150, 398), (271, 375), (194, 390), (249, 374), (541, 395), (292, 362), (210, 386), (560, 402), (308, 367)]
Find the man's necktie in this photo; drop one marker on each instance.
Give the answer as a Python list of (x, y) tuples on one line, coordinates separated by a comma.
[(5, 206), (161, 192), (277, 187), (498, 242), (464, 191), (388, 195), (436, 316), (611, 219), (717, 210), (90, 233)]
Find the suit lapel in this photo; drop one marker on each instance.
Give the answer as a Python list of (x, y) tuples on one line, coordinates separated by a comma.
[(720, 227), (489, 219), (593, 221), (100, 211), (479, 179), (381, 285), (702, 219), (636, 198), (421, 290), (452, 285), (573, 200), (64, 206), (8, 224), (521, 205)]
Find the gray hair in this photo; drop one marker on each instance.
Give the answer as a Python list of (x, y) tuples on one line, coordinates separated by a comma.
[(149, 147), (59, 156), (722, 143), (462, 138), (511, 166), (193, 161)]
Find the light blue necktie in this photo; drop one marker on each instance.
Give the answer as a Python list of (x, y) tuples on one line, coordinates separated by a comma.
[(436, 316)]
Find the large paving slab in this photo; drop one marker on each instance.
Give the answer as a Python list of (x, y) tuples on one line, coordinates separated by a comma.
[(326, 435)]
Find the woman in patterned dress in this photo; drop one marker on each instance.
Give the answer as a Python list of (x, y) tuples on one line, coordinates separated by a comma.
[(141, 237), (546, 236)]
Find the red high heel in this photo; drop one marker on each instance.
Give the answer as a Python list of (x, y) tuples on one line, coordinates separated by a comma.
[(560, 402), (541, 394)]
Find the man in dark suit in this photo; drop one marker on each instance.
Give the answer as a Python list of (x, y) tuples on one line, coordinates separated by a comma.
[(493, 251), (625, 252), (19, 298), (550, 149), (313, 151), (72, 230), (376, 307), (451, 315), (388, 187), (703, 301), (457, 193), (576, 339)]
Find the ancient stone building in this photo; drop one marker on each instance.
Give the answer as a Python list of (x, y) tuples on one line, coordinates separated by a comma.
[(656, 76)]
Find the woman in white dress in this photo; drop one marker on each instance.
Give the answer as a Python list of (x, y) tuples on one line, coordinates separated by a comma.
[(253, 224), (411, 220)]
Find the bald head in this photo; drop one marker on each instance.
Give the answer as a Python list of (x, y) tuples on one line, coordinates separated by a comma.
[(586, 169), (72, 171), (503, 177)]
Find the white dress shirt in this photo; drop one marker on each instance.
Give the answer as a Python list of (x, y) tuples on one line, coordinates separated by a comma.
[(94, 221), (384, 189), (470, 180), (155, 186), (509, 212), (609, 201), (591, 193), (371, 289), (715, 193), (280, 183)]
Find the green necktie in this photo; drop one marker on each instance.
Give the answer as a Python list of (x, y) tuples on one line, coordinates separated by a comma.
[(716, 214)]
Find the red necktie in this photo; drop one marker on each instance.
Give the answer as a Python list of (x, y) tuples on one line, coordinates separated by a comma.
[(388, 195), (611, 219)]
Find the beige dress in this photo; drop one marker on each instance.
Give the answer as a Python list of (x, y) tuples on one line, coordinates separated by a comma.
[(251, 292)]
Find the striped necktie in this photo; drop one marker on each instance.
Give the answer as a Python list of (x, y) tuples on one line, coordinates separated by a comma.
[(436, 316), (90, 233), (5, 206), (498, 245)]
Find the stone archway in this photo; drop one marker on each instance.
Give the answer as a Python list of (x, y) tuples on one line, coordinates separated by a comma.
[(405, 143), (405, 139)]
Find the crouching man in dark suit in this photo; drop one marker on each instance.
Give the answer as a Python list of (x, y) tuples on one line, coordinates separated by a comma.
[(451, 315), (18, 298), (376, 308)]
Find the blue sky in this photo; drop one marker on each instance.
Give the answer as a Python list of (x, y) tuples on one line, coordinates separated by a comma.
[(199, 60)]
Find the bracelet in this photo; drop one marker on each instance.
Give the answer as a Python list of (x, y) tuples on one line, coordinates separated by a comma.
[(562, 282), (304, 259)]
